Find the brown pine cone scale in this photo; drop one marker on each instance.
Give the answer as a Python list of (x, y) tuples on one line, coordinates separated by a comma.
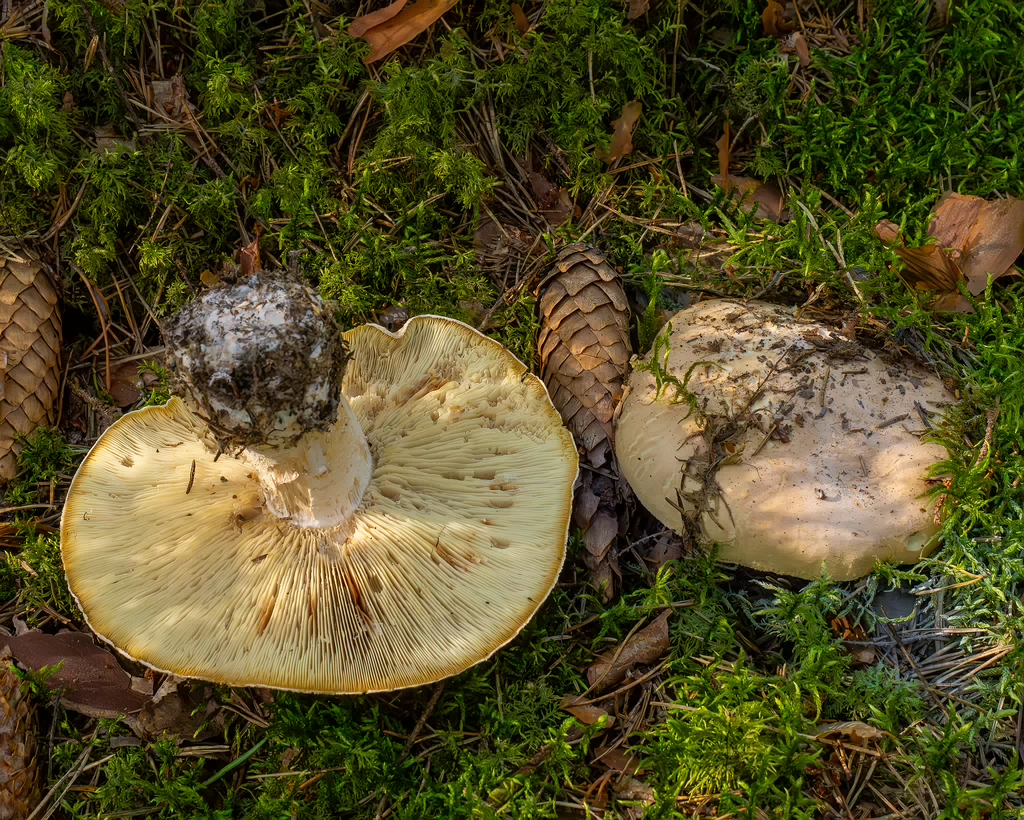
[(19, 782), (584, 342), (30, 332)]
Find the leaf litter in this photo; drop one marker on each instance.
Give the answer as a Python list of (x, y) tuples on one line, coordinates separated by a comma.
[(975, 240), (392, 27)]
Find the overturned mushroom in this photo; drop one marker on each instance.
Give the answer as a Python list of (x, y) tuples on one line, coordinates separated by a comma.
[(792, 447), (328, 516)]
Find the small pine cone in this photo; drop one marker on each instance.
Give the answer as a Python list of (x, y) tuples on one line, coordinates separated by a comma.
[(30, 333), (584, 344), (19, 783)]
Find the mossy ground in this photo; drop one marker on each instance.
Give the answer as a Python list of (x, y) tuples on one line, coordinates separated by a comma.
[(374, 182)]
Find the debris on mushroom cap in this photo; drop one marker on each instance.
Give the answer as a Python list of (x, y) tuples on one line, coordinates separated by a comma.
[(262, 360), (456, 541), (790, 446)]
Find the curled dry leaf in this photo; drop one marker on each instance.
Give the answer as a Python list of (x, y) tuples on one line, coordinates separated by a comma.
[(125, 384), (622, 133), (852, 730), (645, 647), (617, 759), (389, 31), (249, 261), (637, 8), (773, 18), (522, 22), (975, 240), (586, 713), (363, 24), (763, 200), (803, 51)]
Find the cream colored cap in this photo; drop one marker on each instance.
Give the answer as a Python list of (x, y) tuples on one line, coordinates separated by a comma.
[(458, 540), (798, 447)]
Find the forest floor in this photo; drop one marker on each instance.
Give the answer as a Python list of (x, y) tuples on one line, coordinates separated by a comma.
[(145, 143)]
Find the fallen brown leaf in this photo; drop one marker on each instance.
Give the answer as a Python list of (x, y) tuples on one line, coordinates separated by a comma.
[(522, 22), (552, 200), (617, 759), (773, 18), (622, 133), (976, 240), (803, 51), (395, 30), (361, 25), (853, 730), (249, 261), (92, 681), (586, 713), (637, 8), (988, 235), (762, 199), (125, 384), (189, 712), (645, 647)]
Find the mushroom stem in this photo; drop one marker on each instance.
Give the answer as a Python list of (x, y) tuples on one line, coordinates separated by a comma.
[(320, 480)]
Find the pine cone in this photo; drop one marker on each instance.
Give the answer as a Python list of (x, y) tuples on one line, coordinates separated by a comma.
[(29, 355), (584, 356), (584, 344), (19, 784)]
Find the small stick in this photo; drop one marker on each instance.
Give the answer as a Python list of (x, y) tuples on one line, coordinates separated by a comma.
[(191, 477), (892, 421)]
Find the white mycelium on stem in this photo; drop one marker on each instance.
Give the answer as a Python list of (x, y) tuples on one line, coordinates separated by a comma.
[(263, 361)]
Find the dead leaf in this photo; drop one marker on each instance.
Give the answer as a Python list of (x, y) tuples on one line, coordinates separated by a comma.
[(631, 788), (361, 25), (645, 647), (853, 730), (92, 681), (249, 261), (170, 98), (762, 199), (637, 8), (941, 17), (975, 240), (774, 20), (622, 133), (209, 278), (108, 138), (723, 144), (586, 713), (397, 29), (668, 547), (617, 759), (552, 200), (190, 713), (522, 22), (125, 384), (988, 235), (803, 51)]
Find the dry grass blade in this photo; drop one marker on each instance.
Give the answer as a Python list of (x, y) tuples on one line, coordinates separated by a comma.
[(30, 336), (19, 781)]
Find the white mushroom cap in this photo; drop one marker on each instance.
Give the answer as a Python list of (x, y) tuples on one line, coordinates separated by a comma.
[(458, 539), (787, 474)]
